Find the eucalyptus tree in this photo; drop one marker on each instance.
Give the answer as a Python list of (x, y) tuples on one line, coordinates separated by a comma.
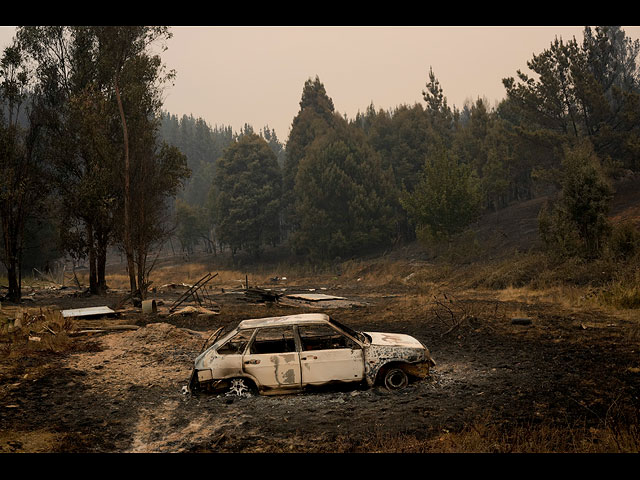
[(80, 150), (126, 62), (109, 80), (22, 183)]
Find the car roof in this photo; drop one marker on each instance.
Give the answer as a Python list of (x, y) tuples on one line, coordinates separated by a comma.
[(299, 319)]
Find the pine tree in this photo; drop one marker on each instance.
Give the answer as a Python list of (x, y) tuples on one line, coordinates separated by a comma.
[(446, 199), (589, 90), (442, 118), (315, 118), (246, 195), (577, 224), (343, 197)]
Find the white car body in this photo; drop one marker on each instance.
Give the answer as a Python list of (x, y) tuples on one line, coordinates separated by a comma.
[(289, 353)]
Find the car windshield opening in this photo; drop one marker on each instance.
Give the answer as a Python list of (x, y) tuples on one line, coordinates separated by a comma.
[(350, 331)]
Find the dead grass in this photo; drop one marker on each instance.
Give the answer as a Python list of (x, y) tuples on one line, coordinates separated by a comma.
[(621, 296), (34, 329), (525, 277), (482, 436), (376, 273), (485, 437), (188, 273), (38, 441)]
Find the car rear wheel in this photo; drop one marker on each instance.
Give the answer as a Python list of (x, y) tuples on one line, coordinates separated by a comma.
[(395, 378)]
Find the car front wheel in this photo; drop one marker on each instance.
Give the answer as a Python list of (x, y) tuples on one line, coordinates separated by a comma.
[(395, 378), (240, 387)]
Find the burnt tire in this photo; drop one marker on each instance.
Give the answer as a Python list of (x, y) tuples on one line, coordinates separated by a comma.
[(395, 378)]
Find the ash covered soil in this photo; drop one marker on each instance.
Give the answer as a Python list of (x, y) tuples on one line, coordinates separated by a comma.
[(123, 391)]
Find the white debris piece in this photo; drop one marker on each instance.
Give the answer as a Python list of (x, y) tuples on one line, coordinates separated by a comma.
[(314, 297), (87, 312)]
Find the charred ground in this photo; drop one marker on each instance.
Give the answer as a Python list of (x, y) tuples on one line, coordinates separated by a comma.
[(570, 370)]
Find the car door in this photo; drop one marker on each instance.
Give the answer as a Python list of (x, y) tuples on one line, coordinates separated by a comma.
[(272, 358), (328, 355)]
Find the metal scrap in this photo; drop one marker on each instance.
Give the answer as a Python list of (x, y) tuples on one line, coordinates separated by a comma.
[(198, 292)]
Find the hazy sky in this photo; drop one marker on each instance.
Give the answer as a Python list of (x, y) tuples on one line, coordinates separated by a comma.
[(236, 75)]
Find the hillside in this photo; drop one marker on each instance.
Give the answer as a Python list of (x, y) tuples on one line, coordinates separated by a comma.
[(515, 228)]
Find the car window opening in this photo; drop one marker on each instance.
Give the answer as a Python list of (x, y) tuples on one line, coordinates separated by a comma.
[(273, 340), (322, 337)]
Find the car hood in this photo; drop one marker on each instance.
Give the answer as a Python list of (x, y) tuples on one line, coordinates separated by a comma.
[(394, 340)]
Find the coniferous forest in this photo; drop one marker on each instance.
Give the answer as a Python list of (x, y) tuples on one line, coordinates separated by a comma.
[(91, 160), (429, 170)]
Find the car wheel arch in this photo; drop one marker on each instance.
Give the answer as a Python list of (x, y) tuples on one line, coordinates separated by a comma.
[(389, 367)]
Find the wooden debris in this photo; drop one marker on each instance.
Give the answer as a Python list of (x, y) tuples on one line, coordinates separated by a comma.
[(103, 329), (260, 295), (452, 312)]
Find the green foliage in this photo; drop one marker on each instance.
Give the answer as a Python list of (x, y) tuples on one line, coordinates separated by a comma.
[(577, 224), (442, 119), (447, 197), (558, 235), (334, 191), (191, 224), (202, 145), (102, 86), (246, 195), (343, 197), (23, 184), (624, 242), (315, 117), (587, 90), (158, 176), (269, 134), (484, 142), (401, 137)]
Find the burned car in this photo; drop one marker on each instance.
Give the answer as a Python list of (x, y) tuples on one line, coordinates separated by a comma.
[(288, 353)]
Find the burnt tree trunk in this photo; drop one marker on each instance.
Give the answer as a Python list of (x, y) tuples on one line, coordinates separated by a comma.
[(101, 260), (93, 274), (12, 238)]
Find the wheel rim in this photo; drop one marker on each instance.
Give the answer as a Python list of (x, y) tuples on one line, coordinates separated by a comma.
[(396, 379), (239, 388)]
